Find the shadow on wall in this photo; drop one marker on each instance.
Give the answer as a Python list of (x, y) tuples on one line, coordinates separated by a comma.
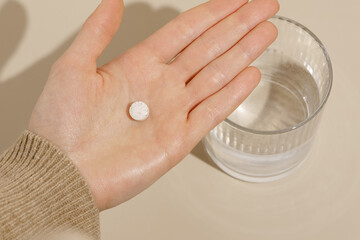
[(18, 95)]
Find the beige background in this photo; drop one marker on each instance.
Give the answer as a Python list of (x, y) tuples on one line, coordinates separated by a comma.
[(196, 200)]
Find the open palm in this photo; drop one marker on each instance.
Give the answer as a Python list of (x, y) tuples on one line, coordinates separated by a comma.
[(192, 74)]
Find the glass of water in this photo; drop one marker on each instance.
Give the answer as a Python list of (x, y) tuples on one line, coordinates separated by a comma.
[(272, 131)]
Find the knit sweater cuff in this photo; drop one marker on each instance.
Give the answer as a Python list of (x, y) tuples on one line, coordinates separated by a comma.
[(42, 191)]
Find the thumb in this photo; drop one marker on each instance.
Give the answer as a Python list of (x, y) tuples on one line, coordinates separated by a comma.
[(97, 32)]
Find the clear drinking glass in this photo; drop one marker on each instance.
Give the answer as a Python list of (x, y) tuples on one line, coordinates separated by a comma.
[(272, 131)]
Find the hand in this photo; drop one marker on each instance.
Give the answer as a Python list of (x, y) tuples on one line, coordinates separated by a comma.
[(84, 109)]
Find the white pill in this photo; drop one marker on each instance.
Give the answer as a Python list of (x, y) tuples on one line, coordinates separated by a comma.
[(139, 111)]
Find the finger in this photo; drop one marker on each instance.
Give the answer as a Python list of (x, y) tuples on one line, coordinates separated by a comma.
[(223, 36), (216, 108), (167, 42), (219, 72), (97, 31)]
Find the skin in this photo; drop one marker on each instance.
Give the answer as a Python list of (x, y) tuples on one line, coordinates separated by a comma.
[(83, 108)]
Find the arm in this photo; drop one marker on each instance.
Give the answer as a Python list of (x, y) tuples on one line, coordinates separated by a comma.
[(42, 191)]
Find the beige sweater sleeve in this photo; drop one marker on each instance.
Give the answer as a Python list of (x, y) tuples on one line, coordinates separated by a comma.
[(41, 191)]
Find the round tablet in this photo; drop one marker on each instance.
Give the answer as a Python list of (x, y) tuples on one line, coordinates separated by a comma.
[(139, 111)]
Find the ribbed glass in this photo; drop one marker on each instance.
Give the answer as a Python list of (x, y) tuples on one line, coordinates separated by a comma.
[(271, 133)]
